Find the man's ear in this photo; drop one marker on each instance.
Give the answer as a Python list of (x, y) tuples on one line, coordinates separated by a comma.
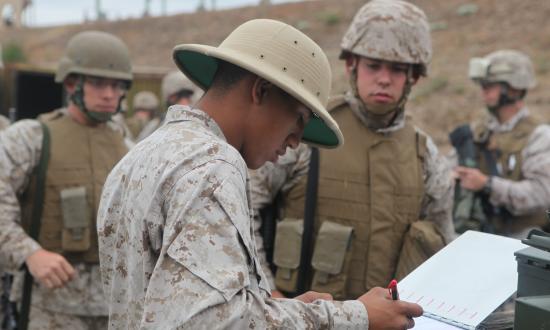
[(414, 80), (70, 84), (351, 63), (260, 89)]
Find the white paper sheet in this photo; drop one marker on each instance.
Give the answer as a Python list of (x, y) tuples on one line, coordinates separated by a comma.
[(426, 323), (467, 280)]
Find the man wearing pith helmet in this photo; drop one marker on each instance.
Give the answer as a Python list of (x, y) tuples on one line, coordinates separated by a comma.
[(174, 222), (373, 191), (51, 175), (512, 147)]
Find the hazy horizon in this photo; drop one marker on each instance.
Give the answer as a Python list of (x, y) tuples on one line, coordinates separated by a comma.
[(59, 12)]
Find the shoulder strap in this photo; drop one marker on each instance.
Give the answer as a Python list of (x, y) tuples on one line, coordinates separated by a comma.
[(38, 205), (309, 218)]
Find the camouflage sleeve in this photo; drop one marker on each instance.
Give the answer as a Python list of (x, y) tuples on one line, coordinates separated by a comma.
[(533, 192), (20, 148), (271, 178), (266, 182), (437, 204), (204, 279)]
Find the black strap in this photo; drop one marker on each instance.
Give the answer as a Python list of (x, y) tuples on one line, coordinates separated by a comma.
[(34, 230), (309, 218)]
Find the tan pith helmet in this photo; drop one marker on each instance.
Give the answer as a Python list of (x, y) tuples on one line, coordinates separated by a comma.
[(280, 54), (146, 100), (390, 30), (509, 66), (95, 53), (174, 82)]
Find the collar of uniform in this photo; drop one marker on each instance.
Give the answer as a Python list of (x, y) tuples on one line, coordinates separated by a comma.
[(178, 113), (495, 126), (397, 123)]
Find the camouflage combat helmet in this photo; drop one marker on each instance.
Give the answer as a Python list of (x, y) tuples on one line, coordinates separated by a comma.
[(174, 82), (95, 53), (508, 66), (390, 30), (146, 100), (280, 54)]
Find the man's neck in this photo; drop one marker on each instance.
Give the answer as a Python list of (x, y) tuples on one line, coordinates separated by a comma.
[(79, 116), (225, 112)]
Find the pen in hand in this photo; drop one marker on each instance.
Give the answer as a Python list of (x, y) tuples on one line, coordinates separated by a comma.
[(393, 290)]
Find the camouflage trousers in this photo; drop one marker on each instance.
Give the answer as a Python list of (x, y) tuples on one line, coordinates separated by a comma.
[(41, 319)]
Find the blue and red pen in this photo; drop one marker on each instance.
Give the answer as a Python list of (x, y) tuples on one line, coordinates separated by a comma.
[(393, 290)]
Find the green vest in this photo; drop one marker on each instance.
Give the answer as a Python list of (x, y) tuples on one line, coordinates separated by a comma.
[(80, 156), (506, 148), (374, 184)]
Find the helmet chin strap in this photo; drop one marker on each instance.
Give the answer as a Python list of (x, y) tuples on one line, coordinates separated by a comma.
[(503, 99), (377, 118), (77, 97)]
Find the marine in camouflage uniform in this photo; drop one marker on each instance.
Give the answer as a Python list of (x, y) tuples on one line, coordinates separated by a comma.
[(83, 147), (146, 107), (371, 200), (176, 89), (512, 147), (176, 241)]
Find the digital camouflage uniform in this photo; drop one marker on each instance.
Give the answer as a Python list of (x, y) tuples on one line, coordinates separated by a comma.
[(267, 182), (176, 241), (177, 245), (20, 150), (282, 176), (373, 212), (531, 194), (519, 177), (79, 156)]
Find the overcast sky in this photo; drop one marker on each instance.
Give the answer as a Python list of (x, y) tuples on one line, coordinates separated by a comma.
[(55, 12)]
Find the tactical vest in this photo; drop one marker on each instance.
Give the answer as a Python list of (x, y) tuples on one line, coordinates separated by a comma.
[(374, 184), (80, 156), (136, 125), (506, 149)]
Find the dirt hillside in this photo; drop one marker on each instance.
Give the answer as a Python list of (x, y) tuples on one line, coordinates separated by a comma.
[(461, 29)]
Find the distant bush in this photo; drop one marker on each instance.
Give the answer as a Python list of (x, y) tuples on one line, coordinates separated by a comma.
[(429, 87), (302, 25), (12, 53), (329, 18)]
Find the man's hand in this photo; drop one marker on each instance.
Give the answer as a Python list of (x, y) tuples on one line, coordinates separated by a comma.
[(386, 314), (311, 296), (471, 178), (277, 294), (50, 269)]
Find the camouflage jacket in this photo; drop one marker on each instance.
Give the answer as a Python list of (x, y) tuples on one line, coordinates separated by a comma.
[(20, 150), (533, 193), (176, 243)]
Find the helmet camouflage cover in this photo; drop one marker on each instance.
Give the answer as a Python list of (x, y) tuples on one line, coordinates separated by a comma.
[(390, 30), (509, 66), (95, 53), (175, 81), (146, 100)]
